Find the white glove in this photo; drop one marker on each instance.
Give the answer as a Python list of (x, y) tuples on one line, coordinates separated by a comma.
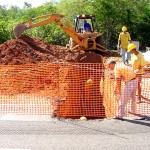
[(136, 71), (118, 47)]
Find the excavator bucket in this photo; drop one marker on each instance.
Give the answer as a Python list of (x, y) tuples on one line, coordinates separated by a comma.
[(19, 29)]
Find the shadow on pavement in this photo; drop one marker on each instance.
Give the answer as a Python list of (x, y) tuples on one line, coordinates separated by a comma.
[(97, 130), (139, 121)]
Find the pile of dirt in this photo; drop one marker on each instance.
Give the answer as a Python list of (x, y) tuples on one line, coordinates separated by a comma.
[(26, 50), (68, 83)]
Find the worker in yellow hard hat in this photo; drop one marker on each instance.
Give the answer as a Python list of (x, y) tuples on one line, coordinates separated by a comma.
[(123, 41), (124, 28), (124, 73), (137, 62)]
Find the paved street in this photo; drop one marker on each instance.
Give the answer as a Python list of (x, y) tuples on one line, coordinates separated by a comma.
[(45, 133)]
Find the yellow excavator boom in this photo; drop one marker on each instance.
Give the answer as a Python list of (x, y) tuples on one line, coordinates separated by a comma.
[(82, 42), (20, 28)]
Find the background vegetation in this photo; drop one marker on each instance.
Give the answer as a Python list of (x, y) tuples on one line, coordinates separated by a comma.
[(111, 15)]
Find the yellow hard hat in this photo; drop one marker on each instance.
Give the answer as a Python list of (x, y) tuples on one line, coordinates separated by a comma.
[(124, 28), (131, 47), (89, 83)]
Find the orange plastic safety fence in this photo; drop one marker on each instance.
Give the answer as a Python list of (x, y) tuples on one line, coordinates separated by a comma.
[(68, 90)]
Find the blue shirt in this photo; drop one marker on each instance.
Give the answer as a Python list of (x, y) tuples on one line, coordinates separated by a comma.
[(87, 27)]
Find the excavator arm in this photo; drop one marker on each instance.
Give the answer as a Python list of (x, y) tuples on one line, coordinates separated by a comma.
[(35, 22), (82, 42), (46, 19)]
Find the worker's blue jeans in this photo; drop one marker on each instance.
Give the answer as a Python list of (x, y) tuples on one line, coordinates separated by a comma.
[(128, 57), (125, 55)]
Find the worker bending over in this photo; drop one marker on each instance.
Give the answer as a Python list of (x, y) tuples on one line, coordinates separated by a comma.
[(124, 73)]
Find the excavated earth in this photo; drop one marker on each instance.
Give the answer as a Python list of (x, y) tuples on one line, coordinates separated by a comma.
[(26, 50)]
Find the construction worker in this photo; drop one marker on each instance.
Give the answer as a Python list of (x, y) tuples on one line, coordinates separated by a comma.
[(123, 41), (137, 62), (124, 73), (86, 26)]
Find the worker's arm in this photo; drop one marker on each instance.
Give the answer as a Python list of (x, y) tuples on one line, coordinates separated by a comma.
[(139, 64), (129, 38), (119, 40), (117, 73), (117, 89), (119, 43)]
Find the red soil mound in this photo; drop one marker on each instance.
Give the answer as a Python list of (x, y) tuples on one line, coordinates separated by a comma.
[(27, 50)]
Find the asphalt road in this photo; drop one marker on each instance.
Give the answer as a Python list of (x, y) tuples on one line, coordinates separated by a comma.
[(61, 134)]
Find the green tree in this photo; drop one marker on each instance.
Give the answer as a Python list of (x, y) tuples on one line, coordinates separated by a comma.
[(110, 17), (27, 5)]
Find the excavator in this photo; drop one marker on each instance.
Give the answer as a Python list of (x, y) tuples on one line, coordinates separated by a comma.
[(79, 39)]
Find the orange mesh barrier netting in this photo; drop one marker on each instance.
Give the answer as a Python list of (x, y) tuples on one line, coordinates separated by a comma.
[(83, 96), (68, 90)]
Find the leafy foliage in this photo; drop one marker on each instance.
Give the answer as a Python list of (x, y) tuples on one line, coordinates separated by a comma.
[(110, 17)]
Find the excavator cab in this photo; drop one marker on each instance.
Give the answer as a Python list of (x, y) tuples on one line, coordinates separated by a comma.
[(84, 26), (84, 20)]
